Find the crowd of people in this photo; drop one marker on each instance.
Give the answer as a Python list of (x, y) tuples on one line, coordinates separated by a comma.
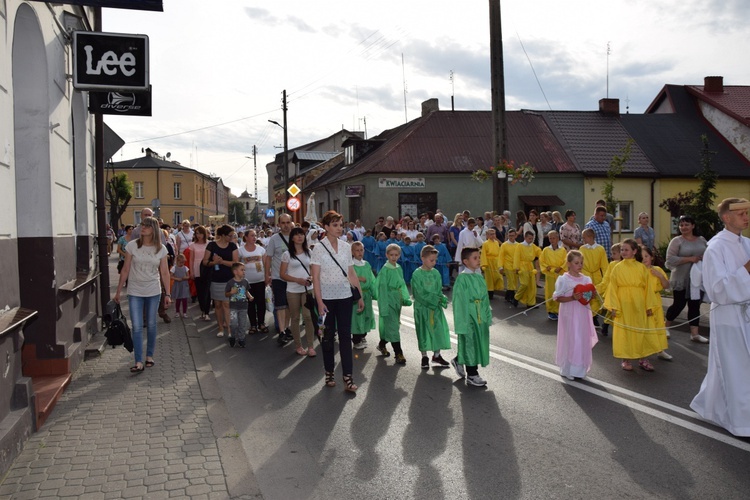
[(326, 276)]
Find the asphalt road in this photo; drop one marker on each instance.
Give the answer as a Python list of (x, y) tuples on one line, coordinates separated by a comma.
[(410, 433)]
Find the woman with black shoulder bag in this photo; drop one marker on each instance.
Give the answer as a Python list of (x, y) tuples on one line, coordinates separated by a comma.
[(295, 266)]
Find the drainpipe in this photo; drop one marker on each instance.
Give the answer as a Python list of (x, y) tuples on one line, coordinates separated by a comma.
[(653, 215), (101, 216)]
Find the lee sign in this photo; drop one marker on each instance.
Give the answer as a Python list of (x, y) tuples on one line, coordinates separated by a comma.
[(110, 61)]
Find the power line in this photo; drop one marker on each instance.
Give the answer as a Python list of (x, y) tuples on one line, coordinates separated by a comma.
[(533, 71)]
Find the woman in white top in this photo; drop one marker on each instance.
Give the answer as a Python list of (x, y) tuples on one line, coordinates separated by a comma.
[(295, 270), (535, 227), (251, 254), (184, 237), (145, 270), (333, 279)]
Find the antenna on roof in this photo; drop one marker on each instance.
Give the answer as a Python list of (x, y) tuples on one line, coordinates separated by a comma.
[(609, 51), (403, 73), (627, 104), (453, 91)]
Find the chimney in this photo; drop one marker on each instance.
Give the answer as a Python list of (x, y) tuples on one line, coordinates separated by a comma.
[(713, 84), (609, 106), (429, 106)]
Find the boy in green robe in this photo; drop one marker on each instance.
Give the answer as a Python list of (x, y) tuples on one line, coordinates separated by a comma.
[(392, 294), (363, 321), (429, 302), (472, 317)]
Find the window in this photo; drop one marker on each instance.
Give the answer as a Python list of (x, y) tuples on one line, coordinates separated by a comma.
[(624, 211), (349, 155), (138, 188), (177, 190), (136, 217), (177, 219), (336, 206), (413, 204)]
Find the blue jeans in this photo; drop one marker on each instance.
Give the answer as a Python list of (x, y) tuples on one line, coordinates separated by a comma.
[(137, 306)]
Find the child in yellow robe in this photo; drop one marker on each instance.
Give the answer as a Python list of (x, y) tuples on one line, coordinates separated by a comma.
[(601, 288), (594, 266), (553, 263), (507, 254), (491, 263), (527, 265)]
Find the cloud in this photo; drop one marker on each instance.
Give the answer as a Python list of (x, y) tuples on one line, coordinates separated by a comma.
[(269, 19)]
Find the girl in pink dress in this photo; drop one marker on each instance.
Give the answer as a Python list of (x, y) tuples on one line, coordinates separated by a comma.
[(575, 330)]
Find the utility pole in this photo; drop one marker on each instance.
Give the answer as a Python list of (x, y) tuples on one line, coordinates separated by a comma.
[(497, 77), (255, 173), (286, 149)]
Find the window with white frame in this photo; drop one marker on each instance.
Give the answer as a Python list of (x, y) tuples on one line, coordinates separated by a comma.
[(138, 189), (177, 190), (136, 217), (177, 219), (624, 211)]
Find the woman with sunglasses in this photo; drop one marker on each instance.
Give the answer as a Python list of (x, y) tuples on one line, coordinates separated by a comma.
[(684, 251)]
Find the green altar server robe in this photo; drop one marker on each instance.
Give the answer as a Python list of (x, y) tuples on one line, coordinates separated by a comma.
[(472, 317), (392, 294), (429, 302), (363, 322)]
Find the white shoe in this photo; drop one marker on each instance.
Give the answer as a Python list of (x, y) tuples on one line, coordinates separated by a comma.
[(459, 368), (220, 334), (668, 335), (570, 377), (476, 381), (699, 338), (664, 355), (361, 345)]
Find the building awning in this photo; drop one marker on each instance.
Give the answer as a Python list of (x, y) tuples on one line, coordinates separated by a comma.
[(545, 200)]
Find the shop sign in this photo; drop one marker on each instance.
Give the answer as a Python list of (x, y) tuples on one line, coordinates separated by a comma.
[(110, 61), (120, 103), (401, 182), (355, 191)]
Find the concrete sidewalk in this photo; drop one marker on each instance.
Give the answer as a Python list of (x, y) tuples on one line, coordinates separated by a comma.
[(162, 433)]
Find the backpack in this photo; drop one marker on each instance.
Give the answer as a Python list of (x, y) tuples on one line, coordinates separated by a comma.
[(116, 325)]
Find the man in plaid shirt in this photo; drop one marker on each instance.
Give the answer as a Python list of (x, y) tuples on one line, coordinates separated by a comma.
[(601, 228)]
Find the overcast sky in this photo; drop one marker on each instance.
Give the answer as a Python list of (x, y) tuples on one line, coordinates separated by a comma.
[(218, 68)]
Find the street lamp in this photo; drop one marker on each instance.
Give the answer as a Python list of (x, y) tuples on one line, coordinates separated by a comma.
[(286, 147)]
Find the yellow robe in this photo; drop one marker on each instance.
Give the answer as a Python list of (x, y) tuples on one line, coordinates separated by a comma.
[(507, 254), (630, 295), (491, 263), (601, 288), (524, 262), (656, 321), (594, 266), (549, 261)]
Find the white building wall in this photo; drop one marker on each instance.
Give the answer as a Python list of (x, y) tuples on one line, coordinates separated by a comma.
[(7, 176), (738, 134)]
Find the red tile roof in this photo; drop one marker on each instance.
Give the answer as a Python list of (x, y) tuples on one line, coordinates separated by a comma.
[(734, 100)]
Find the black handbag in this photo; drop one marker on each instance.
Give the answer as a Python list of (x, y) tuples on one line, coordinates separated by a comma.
[(355, 290), (118, 331)]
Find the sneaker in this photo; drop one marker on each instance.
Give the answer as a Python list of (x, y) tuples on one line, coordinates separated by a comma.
[(220, 334), (400, 359), (664, 355), (231, 341), (241, 343), (425, 362), (185, 315), (476, 381), (459, 368), (363, 344), (288, 335), (384, 351), (439, 361), (282, 340), (311, 352), (699, 338), (552, 317), (178, 315)]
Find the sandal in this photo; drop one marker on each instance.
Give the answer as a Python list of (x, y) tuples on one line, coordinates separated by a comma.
[(626, 366), (330, 382), (150, 363), (349, 384), (252, 330), (263, 329), (136, 369), (646, 365)]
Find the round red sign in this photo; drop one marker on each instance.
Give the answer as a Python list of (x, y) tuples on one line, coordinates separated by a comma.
[(293, 204)]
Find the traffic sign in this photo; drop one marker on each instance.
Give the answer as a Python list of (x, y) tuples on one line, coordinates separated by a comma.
[(293, 204), (270, 213), (293, 190)]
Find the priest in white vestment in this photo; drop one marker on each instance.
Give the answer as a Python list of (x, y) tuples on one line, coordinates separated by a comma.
[(724, 396)]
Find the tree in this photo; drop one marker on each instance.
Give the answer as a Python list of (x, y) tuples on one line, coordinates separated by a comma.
[(700, 204), (119, 191), (237, 212), (706, 219), (616, 166)]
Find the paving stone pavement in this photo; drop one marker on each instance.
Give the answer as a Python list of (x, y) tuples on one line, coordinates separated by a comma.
[(162, 433)]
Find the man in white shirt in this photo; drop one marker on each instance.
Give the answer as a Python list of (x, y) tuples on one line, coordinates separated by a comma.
[(277, 245), (468, 237), (724, 396)]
